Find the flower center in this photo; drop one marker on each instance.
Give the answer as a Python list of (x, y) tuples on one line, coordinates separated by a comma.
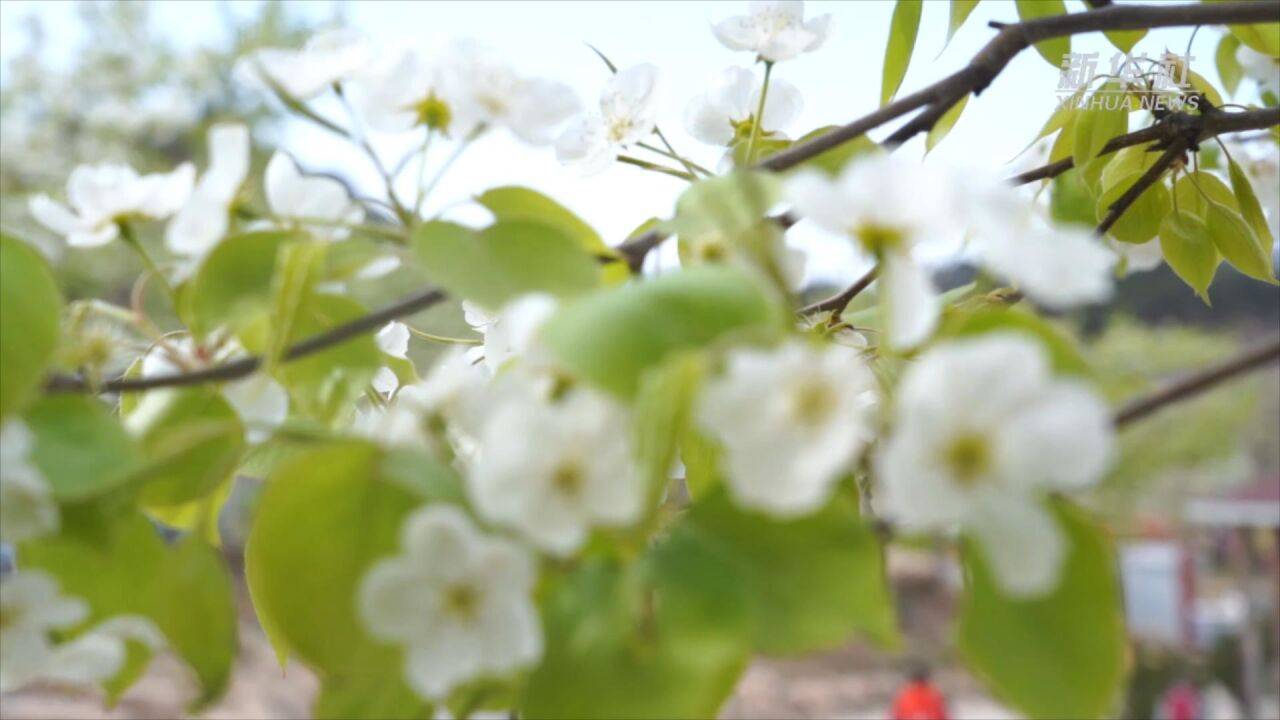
[(968, 457), (619, 129), (461, 601), (878, 238), (742, 129), (568, 478), (811, 402), (433, 112), (713, 250)]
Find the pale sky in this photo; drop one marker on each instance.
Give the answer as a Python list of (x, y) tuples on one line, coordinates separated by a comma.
[(841, 81)]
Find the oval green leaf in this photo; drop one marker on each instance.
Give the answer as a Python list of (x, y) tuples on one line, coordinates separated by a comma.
[(30, 308)]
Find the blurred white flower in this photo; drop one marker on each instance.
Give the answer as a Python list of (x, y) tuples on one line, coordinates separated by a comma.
[(402, 90), (1137, 257), (1261, 67), (792, 420), (27, 507), (261, 402), (103, 195), (982, 431), (321, 204), (203, 220), (328, 58), (458, 600), (448, 388), (888, 206), (489, 93), (31, 607), (725, 113), (512, 332), (627, 115), (555, 468), (397, 424), (393, 339), (775, 30)]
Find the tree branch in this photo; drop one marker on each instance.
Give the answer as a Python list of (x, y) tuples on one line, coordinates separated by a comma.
[(247, 365), (837, 303), (1265, 352), (1149, 178), (990, 61)]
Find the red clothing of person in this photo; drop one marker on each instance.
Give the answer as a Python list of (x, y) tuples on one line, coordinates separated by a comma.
[(1181, 703), (919, 701)]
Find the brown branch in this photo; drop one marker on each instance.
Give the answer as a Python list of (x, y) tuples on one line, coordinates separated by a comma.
[(990, 61), (1265, 352), (247, 365), (837, 303), (1164, 132), (1149, 178)]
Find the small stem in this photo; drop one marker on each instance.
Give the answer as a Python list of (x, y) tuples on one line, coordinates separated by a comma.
[(131, 239), (759, 118), (448, 163), (443, 339), (629, 160), (691, 166)]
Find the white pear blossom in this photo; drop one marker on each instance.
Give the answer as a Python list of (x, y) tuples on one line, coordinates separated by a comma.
[(402, 89), (554, 468), (393, 340), (982, 431), (321, 204), (774, 30), (27, 507), (1263, 68), (328, 58), (488, 92), (792, 420), (725, 113), (396, 424), (31, 607), (203, 220), (511, 333), (101, 196), (627, 115), (888, 206), (1137, 257), (259, 399), (459, 601), (449, 387)]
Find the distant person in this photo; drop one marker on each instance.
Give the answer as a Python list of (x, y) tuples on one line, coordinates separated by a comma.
[(918, 699), (1180, 701)]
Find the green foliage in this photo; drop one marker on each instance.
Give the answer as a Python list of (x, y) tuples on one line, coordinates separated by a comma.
[(1187, 247), (1093, 129), (324, 518), (662, 416), (30, 307), (1053, 49), (1237, 242), (610, 338), (814, 581), (233, 286), (948, 120), (902, 40), (1062, 349), (191, 441), (325, 385), (832, 161), (298, 268), (1141, 221), (505, 260), (1062, 655), (125, 568), (1251, 210), (667, 636), (1124, 40), (79, 447), (1070, 200), (959, 12)]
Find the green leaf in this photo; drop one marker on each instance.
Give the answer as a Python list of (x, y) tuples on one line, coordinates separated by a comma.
[(80, 448), (1070, 201), (299, 266), (902, 40), (1186, 246), (1263, 37), (1250, 209), (665, 638), (816, 580), (948, 120), (1058, 656), (233, 285), (1093, 129), (1052, 50), (323, 519), (507, 259), (326, 384), (369, 696), (521, 203), (1124, 40), (832, 162), (1140, 221), (662, 413), (30, 307), (125, 568), (191, 441), (610, 338), (1194, 191), (1198, 82), (960, 10), (1228, 66), (1236, 241)]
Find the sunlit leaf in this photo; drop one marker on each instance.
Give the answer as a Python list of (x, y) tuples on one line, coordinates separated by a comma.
[(30, 307), (948, 120), (902, 40), (1187, 247), (1053, 50)]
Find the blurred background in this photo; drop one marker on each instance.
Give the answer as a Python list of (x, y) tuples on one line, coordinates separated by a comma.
[(1194, 501)]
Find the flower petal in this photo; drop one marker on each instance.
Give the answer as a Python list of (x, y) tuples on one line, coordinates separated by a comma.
[(820, 199), (911, 302), (1021, 542), (706, 122), (782, 107)]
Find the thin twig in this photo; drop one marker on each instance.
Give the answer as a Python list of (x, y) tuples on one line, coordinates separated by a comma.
[(837, 303), (1255, 357), (247, 365), (1149, 178)]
